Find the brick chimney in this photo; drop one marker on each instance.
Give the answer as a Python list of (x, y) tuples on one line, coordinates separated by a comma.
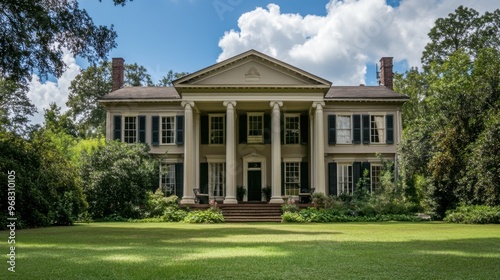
[(117, 75), (386, 73)]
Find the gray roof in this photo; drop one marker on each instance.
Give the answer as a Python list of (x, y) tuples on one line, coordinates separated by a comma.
[(132, 93), (363, 92)]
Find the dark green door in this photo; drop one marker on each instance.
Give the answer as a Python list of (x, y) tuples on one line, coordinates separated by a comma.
[(254, 185)]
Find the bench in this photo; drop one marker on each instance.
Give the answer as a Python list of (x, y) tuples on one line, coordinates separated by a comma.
[(198, 196), (305, 195)]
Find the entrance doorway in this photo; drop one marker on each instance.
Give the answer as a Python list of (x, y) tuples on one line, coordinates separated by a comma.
[(254, 185)]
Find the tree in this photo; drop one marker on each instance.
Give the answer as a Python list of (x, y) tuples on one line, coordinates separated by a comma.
[(116, 178), (15, 107), (167, 80)]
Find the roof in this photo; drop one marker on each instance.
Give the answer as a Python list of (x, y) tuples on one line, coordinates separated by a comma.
[(363, 93), (141, 93)]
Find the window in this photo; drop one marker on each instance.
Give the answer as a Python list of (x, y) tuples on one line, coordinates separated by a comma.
[(168, 130), (217, 179), (377, 129), (344, 130), (130, 130), (167, 171), (345, 179), (292, 178), (375, 178), (292, 129), (255, 127), (216, 125)]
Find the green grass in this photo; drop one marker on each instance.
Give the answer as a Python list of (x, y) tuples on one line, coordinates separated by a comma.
[(257, 251)]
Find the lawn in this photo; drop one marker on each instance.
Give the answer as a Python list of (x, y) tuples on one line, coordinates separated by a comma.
[(257, 251)]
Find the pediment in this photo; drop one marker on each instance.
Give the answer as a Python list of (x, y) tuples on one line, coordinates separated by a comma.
[(251, 70)]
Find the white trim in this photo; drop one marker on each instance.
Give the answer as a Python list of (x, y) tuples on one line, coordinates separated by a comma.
[(291, 115), (223, 128), (136, 116), (292, 158), (255, 139), (254, 158), (160, 130), (215, 158)]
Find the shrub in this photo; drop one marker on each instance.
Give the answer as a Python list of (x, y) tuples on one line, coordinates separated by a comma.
[(314, 215), (204, 217), (290, 206), (157, 203), (292, 217), (321, 201), (474, 214)]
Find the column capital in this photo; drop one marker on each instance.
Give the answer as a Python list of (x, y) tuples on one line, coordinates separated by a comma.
[(318, 104), (186, 103), (274, 103), (227, 103)]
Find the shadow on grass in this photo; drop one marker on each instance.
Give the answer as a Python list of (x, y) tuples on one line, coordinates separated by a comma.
[(245, 252)]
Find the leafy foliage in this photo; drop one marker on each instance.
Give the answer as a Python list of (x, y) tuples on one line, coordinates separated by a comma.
[(474, 214), (204, 217)]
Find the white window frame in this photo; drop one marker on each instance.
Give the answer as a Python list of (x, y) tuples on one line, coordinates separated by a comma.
[(345, 185), (210, 116), (374, 127), (375, 177), (168, 188), (253, 138), (217, 179), (339, 129), (135, 130), (285, 122), (290, 189), (174, 129)]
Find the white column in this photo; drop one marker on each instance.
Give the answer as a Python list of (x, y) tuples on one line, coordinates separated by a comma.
[(197, 148), (312, 146), (230, 154), (319, 148), (189, 153), (276, 153)]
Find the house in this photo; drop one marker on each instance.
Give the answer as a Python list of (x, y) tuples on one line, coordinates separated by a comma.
[(255, 121)]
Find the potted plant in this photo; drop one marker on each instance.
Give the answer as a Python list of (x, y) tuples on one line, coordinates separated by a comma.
[(266, 191), (241, 191)]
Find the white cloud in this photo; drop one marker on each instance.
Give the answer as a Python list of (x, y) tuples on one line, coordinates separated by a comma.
[(42, 94), (353, 33)]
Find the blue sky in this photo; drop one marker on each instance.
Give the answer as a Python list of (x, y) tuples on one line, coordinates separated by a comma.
[(340, 41)]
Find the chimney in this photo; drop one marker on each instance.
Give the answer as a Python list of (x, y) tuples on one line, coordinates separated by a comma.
[(386, 73), (117, 73)]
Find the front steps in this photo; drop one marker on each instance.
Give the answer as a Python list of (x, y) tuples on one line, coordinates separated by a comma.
[(251, 212)]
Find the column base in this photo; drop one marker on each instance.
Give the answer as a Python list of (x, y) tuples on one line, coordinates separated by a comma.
[(187, 200), (230, 200), (277, 200)]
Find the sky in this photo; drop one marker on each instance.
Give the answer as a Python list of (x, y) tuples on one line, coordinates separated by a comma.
[(341, 41)]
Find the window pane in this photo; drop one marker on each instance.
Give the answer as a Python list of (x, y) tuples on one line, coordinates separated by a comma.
[(377, 129), (292, 130), (345, 184), (375, 178), (167, 171), (216, 130), (217, 179), (130, 131), (168, 130), (292, 178), (255, 128), (343, 129)]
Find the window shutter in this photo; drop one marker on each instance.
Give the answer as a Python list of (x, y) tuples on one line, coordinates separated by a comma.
[(332, 178), (142, 129), (389, 126), (366, 129), (332, 131), (356, 128), (155, 130), (304, 129), (366, 166), (117, 127), (179, 125), (356, 174), (282, 178), (267, 129), (204, 129), (179, 180), (243, 128), (304, 177), (204, 177)]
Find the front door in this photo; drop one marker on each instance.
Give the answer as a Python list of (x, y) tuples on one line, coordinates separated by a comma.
[(254, 185)]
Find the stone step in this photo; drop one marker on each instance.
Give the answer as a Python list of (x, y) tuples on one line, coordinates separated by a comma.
[(252, 210), (252, 219)]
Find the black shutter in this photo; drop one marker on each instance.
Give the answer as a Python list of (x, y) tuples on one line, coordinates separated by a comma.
[(179, 180), (155, 130), (366, 166), (332, 132), (267, 129), (332, 178), (142, 129), (356, 174), (389, 126), (304, 177), (243, 128), (204, 129), (356, 129), (179, 122), (366, 129), (204, 177), (282, 178), (117, 127), (304, 129)]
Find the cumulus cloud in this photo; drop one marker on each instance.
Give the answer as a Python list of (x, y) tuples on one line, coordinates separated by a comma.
[(353, 33), (42, 94)]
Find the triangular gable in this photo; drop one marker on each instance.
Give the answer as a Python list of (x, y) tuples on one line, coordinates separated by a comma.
[(251, 69)]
